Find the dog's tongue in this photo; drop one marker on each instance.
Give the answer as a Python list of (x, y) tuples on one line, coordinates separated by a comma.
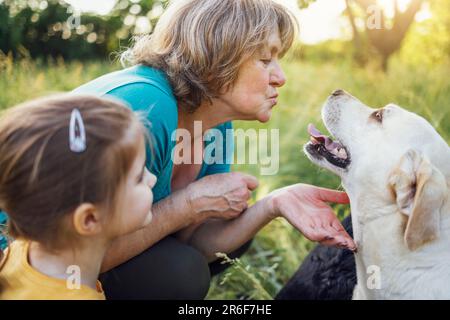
[(329, 144), (332, 146)]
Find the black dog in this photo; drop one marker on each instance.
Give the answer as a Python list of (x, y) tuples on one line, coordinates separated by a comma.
[(326, 274)]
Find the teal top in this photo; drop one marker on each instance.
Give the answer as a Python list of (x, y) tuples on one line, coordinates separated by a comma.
[(3, 220), (148, 91)]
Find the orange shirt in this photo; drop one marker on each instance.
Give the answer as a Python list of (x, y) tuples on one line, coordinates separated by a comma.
[(20, 281)]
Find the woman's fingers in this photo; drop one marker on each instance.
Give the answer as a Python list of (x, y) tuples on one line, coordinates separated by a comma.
[(325, 235), (305, 207), (318, 223), (346, 241), (336, 225), (251, 181), (335, 196), (330, 237), (335, 243), (312, 234), (339, 242), (342, 237)]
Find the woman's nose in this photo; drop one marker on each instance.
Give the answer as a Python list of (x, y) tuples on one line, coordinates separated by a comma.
[(277, 78)]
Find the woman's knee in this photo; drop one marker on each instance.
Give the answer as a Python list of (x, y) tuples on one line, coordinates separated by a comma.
[(191, 275), (168, 270)]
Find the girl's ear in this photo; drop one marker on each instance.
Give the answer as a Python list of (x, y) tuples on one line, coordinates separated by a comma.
[(87, 220)]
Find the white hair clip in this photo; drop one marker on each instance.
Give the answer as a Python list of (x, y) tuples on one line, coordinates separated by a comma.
[(77, 142)]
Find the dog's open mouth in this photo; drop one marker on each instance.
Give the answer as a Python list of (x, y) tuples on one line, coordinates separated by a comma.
[(322, 146)]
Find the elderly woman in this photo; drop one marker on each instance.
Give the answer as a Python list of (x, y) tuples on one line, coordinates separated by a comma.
[(212, 61)]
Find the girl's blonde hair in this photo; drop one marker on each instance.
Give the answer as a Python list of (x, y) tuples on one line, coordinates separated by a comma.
[(201, 44), (42, 180)]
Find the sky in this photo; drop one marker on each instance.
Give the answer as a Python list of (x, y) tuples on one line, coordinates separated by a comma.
[(321, 21), (98, 6)]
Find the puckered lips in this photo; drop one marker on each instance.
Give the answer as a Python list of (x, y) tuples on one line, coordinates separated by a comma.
[(322, 146)]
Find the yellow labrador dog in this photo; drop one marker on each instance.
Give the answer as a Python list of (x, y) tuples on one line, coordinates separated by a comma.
[(396, 170)]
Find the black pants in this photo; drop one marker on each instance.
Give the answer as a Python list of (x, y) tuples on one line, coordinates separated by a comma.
[(169, 269)]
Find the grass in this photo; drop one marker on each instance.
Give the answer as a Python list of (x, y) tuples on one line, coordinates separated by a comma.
[(278, 249)]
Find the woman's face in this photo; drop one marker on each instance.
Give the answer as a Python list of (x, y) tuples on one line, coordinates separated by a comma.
[(254, 93)]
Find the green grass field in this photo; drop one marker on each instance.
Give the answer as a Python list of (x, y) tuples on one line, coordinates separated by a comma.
[(278, 249)]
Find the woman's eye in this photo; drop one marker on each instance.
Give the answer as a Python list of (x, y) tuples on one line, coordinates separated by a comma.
[(378, 115), (266, 61)]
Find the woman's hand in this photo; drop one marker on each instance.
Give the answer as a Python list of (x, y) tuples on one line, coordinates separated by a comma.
[(304, 206), (222, 195)]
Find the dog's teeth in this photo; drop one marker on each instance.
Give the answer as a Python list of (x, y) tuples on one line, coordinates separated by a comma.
[(342, 153)]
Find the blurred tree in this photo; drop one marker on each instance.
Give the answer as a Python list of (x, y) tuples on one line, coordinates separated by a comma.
[(41, 28), (428, 42), (383, 34), (137, 16), (304, 3)]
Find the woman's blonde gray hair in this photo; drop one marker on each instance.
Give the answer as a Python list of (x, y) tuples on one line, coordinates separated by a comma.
[(201, 44)]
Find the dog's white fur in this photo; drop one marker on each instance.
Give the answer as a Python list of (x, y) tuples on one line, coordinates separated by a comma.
[(398, 183)]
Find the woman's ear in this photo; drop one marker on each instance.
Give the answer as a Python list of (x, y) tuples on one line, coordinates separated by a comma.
[(87, 220), (420, 190)]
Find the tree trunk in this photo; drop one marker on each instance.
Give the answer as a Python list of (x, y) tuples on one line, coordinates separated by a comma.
[(358, 55), (387, 41)]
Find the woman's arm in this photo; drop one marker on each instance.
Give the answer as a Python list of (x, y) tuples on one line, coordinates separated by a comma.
[(222, 196), (169, 215), (227, 235), (302, 205)]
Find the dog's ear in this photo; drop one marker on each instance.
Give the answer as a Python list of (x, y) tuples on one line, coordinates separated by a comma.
[(420, 190)]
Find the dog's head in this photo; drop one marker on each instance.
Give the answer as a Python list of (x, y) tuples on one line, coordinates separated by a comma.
[(385, 157)]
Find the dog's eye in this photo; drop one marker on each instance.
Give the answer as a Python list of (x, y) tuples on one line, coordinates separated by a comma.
[(378, 115)]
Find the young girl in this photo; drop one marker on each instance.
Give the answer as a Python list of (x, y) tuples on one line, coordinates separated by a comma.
[(72, 179)]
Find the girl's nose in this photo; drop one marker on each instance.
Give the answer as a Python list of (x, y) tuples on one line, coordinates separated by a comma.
[(151, 180)]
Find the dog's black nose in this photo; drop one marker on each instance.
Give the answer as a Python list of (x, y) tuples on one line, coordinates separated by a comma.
[(338, 92)]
